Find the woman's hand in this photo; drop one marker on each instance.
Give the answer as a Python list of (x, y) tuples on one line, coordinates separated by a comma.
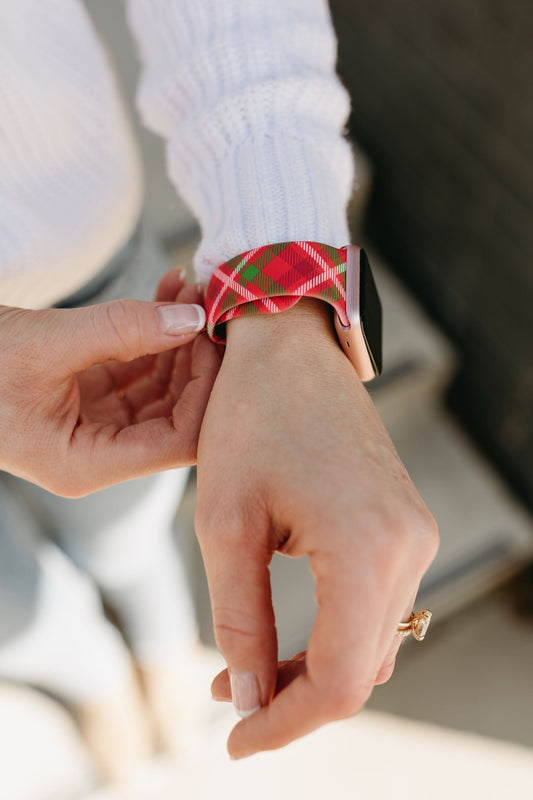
[(293, 457), (94, 396)]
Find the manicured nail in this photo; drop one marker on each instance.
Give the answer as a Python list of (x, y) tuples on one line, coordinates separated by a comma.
[(180, 318), (182, 272), (245, 692)]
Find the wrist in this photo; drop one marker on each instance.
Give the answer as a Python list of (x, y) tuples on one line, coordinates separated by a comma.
[(306, 325), (272, 279)]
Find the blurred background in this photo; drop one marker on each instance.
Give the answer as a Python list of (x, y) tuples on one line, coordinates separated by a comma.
[(442, 130), (442, 106)]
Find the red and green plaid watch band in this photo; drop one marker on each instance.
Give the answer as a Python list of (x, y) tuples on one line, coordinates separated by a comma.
[(273, 278)]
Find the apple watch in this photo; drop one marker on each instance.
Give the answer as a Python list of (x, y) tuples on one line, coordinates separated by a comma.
[(273, 278)]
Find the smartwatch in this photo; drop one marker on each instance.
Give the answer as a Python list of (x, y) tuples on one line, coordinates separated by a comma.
[(273, 278), (361, 339)]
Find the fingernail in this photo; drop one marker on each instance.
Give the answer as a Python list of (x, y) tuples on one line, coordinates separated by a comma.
[(181, 318), (245, 692), (182, 272)]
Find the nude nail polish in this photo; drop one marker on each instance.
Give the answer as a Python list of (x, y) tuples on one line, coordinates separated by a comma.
[(245, 692)]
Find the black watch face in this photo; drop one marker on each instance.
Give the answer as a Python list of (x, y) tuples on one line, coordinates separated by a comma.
[(370, 311)]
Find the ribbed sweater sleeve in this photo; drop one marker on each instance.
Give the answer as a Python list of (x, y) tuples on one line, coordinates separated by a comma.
[(246, 95)]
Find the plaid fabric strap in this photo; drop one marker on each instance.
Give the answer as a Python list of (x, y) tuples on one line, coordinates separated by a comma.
[(273, 278)]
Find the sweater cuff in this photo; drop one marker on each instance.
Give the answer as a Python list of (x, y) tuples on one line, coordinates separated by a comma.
[(270, 188)]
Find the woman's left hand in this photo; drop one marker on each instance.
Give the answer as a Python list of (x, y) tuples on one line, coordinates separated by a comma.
[(294, 458)]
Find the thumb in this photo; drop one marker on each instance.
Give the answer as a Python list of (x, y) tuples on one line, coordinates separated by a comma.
[(243, 617), (122, 330)]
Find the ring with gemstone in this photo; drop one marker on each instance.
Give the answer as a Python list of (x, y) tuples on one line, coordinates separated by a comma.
[(417, 624)]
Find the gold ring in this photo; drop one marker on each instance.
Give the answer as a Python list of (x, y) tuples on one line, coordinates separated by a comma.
[(417, 624)]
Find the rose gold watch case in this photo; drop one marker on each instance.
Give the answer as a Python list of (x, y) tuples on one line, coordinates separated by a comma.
[(352, 339)]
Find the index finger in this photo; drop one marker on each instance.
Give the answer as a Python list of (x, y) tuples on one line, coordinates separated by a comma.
[(352, 598)]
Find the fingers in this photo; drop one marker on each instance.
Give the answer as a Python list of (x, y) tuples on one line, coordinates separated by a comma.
[(287, 672), (362, 594), (170, 284), (340, 671), (121, 330), (391, 642), (111, 453), (99, 455), (221, 687), (236, 563), (154, 392), (420, 554), (203, 364), (171, 287), (174, 370), (191, 293)]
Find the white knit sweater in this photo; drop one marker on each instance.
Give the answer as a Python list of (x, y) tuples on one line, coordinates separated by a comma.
[(245, 94)]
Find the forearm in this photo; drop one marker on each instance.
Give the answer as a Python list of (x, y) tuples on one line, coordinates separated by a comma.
[(247, 98)]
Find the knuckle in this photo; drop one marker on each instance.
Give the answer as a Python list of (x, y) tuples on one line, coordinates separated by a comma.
[(431, 529), (346, 700), (235, 630), (414, 533), (204, 520), (119, 318), (391, 539), (427, 537), (211, 521), (399, 536), (205, 523)]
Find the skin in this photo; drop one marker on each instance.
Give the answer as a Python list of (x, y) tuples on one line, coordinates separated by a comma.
[(293, 458), (93, 396)]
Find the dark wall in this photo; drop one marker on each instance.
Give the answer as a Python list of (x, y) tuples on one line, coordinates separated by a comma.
[(442, 102)]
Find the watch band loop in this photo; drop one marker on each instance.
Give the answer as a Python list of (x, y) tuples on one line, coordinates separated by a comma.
[(273, 278)]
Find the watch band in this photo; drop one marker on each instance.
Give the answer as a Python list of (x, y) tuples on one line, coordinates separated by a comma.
[(273, 278)]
